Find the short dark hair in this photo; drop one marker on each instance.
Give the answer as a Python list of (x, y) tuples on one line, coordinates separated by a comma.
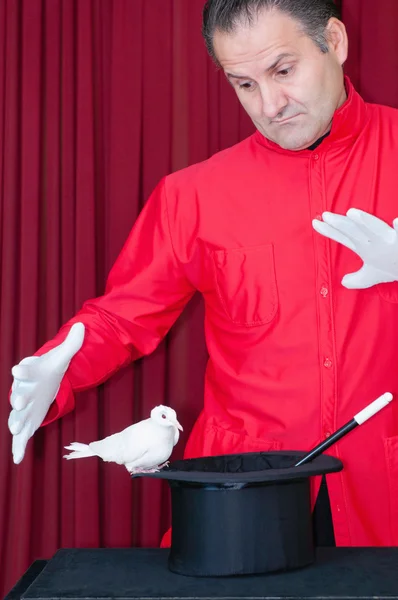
[(224, 15)]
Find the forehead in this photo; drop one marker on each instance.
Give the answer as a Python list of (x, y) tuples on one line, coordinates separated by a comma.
[(271, 33)]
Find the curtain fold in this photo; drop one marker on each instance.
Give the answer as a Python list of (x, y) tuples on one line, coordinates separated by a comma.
[(99, 99), (373, 52)]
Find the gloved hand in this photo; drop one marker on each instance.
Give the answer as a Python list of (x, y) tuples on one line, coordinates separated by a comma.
[(375, 242), (36, 383)]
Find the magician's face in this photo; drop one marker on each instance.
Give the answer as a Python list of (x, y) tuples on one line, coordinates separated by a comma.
[(289, 88)]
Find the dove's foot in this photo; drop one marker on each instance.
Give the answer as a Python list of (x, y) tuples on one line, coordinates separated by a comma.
[(136, 470), (165, 464)]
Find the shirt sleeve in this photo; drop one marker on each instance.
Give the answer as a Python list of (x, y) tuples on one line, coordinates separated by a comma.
[(145, 293)]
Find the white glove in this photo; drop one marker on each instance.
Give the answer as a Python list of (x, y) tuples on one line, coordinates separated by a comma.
[(375, 242), (36, 383)]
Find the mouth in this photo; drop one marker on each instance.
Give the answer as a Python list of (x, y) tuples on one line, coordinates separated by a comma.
[(176, 423), (283, 121)]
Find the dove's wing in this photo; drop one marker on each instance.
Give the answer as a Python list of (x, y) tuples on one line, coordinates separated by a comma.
[(127, 445)]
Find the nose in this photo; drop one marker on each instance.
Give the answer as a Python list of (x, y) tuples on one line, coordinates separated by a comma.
[(274, 100)]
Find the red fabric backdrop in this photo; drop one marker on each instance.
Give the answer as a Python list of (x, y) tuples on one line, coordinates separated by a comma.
[(98, 100)]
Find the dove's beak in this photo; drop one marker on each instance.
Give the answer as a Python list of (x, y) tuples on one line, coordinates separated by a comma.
[(176, 423)]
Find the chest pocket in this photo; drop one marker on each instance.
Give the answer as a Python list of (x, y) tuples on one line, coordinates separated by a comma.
[(246, 284)]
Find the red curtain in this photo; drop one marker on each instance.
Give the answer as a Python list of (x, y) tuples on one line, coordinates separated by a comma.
[(372, 64), (99, 99)]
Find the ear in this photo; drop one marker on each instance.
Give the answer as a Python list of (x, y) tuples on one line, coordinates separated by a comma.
[(337, 38)]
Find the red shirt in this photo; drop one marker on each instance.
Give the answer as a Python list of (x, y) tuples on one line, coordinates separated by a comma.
[(293, 355)]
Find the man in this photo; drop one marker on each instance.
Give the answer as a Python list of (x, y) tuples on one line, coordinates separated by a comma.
[(293, 353)]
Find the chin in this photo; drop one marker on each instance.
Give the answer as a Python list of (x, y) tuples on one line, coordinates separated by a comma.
[(293, 147), (298, 140), (292, 142), (296, 145)]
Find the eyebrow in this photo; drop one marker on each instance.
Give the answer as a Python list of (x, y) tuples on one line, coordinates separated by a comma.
[(274, 64)]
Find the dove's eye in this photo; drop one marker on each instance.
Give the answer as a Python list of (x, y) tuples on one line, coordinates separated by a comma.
[(163, 416)]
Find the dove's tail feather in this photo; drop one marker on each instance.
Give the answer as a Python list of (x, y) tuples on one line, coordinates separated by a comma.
[(79, 451)]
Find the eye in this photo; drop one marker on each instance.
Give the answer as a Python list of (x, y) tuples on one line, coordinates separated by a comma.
[(164, 416), (285, 72), (247, 85)]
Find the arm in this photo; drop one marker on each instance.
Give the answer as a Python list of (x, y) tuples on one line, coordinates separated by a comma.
[(145, 293)]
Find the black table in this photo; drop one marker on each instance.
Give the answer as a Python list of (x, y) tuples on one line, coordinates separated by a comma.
[(135, 573)]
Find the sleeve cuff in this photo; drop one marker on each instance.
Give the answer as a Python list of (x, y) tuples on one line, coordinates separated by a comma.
[(63, 404)]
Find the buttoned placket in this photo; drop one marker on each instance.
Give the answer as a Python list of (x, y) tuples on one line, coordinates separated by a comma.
[(325, 319), (326, 338)]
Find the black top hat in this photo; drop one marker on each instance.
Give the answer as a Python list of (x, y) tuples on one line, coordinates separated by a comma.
[(241, 514)]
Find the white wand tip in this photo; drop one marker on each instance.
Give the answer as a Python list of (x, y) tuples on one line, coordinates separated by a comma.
[(373, 408)]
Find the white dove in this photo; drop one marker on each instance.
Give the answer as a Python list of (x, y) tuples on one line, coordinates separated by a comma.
[(142, 448)]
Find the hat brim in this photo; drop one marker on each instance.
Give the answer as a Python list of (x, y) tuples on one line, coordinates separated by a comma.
[(246, 468)]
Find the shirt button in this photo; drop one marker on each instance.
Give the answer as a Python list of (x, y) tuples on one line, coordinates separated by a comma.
[(324, 291), (318, 216), (327, 434), (316, 156), (328, 363)]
